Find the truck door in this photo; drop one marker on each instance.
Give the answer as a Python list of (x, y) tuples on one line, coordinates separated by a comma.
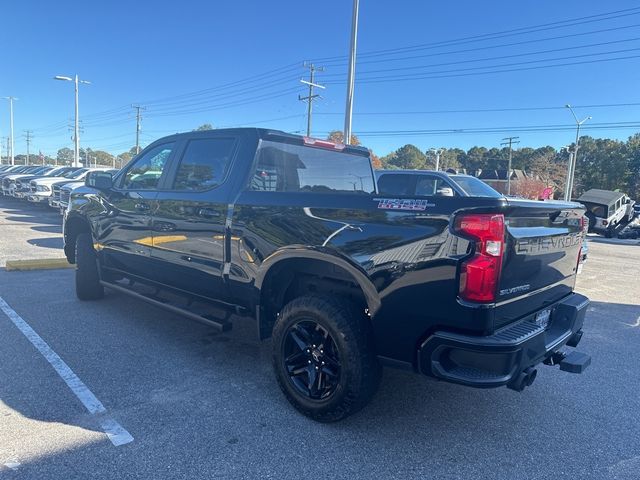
[(189, 225), (124, 232)]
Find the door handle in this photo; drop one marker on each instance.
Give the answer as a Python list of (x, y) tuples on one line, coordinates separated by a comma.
[(142, 207)]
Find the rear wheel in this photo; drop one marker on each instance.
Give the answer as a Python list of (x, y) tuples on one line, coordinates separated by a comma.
[(323, 357), (88, 286)]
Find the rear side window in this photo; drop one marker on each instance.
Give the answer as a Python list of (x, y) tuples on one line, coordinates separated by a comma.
[(145, 172), (204, 163), (283, 167), (428, 185), (396, 184)]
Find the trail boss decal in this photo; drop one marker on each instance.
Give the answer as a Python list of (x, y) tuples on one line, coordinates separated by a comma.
[(403, 204)]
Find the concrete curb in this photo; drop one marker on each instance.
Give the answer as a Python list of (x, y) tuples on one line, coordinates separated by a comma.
[(38, 264)]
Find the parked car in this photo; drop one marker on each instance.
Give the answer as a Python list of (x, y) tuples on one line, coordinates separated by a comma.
[(22, 184), (291, 231), (439, 183), (606, 210), (41, 189), (432, 183), (62, 190), (9, 180), (14, 169)]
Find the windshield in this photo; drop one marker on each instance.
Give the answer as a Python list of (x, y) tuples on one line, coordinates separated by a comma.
[(57, 171), (474, 187), (75, 173)]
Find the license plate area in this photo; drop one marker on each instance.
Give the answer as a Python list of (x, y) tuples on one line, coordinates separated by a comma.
[(543, 318)]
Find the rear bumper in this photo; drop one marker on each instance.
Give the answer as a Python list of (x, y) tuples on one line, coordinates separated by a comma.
[(499, 359)]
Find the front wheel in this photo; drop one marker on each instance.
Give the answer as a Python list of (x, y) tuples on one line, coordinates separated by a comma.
[(88, 286), (324, 358)]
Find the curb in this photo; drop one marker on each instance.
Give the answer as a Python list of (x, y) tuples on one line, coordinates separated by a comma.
[(38, 264)]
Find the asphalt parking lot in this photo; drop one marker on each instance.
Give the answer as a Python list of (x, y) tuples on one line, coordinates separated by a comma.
[(204, 405)]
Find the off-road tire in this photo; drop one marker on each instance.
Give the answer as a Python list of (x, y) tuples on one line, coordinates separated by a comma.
[(88, 286), (360, 371)]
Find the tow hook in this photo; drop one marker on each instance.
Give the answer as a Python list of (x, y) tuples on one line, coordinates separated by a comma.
[(574, 362), (524, 379)]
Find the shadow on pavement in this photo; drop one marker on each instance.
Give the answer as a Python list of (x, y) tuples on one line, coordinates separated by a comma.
[(47, 242), (48, 229), (36, 219), (223, 389)]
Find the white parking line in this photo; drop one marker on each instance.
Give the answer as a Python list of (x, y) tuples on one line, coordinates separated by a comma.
[(115, 432)]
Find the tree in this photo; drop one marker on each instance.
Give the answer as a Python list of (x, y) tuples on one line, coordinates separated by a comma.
[(102, 158), (203, 127), (549, 169), (64, 156), (410, 157), (528, 187), (375, 160), (336, 136), (632, 151)]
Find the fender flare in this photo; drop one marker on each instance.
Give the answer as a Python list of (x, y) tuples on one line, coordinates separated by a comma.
[(300, 252)]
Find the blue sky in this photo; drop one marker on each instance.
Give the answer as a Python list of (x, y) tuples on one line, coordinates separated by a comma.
[(159, 53)]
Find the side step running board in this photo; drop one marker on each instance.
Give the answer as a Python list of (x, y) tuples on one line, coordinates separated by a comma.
[(219, 325)]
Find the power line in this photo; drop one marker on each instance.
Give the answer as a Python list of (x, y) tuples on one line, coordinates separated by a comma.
[(500, 129), (502, 57), (499, 34), (492, 47), (487, 110), (447, 74)]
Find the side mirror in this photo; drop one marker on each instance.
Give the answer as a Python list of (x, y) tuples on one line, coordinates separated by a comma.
[(445, 192), (99, 180)]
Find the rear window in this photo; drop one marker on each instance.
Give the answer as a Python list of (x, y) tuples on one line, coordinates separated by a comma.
[(282, 167), (396, 184), (598, 210), (474, 187)]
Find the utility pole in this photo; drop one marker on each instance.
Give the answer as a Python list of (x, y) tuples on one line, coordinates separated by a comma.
[(311, 97), (10, 145), (28, 137), (509, 141), (568, 190), (352, 73), (437, 152), (138, 119)]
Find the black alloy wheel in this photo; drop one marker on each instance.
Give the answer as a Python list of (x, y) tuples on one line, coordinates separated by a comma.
[(324, 356), (311, 359)]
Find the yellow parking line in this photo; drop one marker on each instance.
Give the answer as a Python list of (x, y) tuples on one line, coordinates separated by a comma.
[(38, 264)]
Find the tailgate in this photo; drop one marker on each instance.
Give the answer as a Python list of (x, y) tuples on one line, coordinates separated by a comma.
[(542, 245)]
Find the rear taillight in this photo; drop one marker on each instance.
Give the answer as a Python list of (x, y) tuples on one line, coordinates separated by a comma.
[(479, 275)]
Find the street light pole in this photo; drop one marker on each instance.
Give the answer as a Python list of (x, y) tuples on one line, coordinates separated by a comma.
[(352, 72), (10, 145), (573, 158), (437, 152), (76, 134)]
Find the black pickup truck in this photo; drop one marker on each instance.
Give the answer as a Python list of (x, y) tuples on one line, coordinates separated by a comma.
[(292, 231)]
